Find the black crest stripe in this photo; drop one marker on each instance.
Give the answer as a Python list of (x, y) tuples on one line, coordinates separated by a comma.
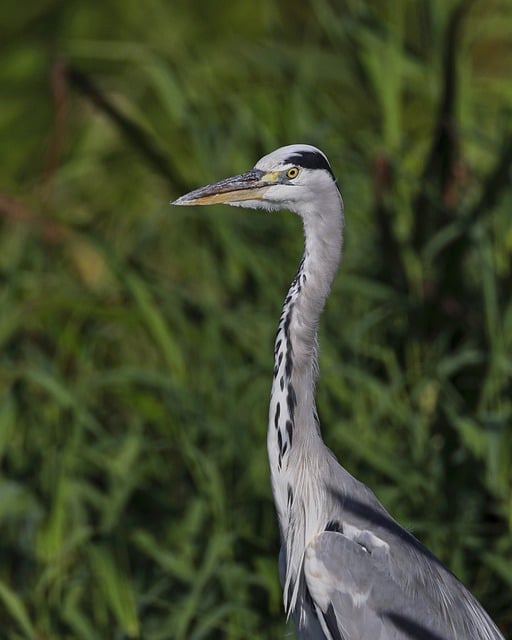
[(310, 160)]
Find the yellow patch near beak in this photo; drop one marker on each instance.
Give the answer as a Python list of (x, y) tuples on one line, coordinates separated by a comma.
[(271, 177)]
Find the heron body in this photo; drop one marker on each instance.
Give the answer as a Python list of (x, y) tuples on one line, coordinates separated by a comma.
[(349, 570)]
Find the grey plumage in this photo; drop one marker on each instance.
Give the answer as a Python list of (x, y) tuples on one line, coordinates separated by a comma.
[(348, 570)]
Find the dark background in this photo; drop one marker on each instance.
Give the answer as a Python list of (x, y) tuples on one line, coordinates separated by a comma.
[(136, 338)]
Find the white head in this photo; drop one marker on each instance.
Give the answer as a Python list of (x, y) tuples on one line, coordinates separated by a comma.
[(296, 177)]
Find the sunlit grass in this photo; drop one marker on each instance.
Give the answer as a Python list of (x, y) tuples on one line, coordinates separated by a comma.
[(136, 339)]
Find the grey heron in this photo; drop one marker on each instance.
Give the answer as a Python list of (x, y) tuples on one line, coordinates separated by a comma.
[(348, 569)]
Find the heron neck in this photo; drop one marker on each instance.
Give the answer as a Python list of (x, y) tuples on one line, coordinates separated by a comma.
[(293, 424), (309, 291)]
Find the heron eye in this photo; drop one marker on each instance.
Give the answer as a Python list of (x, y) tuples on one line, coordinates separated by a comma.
[(292, 173)]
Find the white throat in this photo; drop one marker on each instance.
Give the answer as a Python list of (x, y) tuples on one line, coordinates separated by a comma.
[(293, 430)]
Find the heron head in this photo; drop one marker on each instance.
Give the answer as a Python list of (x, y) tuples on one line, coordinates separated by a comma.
[(291, 177)]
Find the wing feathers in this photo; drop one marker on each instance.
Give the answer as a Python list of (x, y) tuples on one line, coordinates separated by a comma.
[(352, 582)]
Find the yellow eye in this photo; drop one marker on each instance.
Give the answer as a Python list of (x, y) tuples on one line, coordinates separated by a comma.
[(292, 173)]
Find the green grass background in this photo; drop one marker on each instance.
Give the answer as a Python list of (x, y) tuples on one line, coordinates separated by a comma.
[(136, 338)]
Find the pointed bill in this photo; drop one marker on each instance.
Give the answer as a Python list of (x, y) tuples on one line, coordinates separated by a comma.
[(251, 185)]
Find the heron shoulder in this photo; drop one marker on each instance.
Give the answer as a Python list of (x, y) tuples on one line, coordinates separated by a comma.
[(360, 582)]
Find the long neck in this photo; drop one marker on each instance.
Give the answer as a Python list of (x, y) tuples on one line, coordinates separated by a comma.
[(293, 425), (294, 442)]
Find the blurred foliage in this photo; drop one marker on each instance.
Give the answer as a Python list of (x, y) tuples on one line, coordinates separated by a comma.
[(136, 340)]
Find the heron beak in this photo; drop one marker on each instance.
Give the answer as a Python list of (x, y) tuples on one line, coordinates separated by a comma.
[(251, 185)]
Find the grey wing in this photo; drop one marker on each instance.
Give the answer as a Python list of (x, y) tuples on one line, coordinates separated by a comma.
[(351, 588), (357, 594)]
